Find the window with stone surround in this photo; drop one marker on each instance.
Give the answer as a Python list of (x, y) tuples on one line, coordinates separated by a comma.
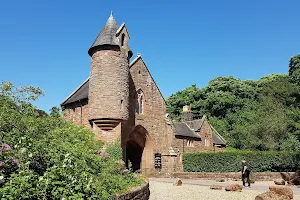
[(139, 107)]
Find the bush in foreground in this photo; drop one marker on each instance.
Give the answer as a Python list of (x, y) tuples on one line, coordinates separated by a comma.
[(259, 161), (43, 157)]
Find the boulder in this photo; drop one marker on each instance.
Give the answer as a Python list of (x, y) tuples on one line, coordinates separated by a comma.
[(234, 188), (271, 196), (252, 179), (216, 187), (281, 190), (285, 176), (220, 180), (178, 182), (279, 182), (295, 174), (294, 181)]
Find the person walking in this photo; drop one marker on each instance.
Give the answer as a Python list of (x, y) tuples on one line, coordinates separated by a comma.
[(245, 173)]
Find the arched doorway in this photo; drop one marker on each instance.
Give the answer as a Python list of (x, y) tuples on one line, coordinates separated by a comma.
[(139, 150)]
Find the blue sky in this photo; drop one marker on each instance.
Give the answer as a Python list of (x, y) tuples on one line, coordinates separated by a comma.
[(45, 43)]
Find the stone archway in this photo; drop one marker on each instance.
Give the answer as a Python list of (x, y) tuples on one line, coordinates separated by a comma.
[(139, 150)]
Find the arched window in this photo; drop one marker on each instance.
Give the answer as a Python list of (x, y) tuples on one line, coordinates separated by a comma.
[(139, 107)]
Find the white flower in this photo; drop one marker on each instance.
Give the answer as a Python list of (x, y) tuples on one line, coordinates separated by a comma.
[(30, 155), (23, 150), (1, 177)]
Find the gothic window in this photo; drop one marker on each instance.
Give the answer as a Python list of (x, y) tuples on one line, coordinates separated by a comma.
[(139, 102)]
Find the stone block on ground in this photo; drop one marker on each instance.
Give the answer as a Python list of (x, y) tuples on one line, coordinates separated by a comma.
[(271, 196), (220, 180), (216, 187), (294, 181), (285, 176), (234, 188), (178, 182), (279, 182), (282, 190), (252, 179)]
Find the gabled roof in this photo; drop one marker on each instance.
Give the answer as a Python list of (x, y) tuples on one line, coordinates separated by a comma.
[(189, 128), (196, 124), (182, 129), (217, 138), (80, 93), (139, 57), (123, 25), (107, 36)]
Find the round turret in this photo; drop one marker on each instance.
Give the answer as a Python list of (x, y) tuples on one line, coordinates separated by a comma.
[(109, 77)]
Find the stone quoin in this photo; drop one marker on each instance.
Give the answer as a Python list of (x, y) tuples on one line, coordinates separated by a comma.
[(120, 100)]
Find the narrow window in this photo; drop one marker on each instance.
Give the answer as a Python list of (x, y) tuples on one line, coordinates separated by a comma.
[(139, 102), (122, 39), (206, 142)]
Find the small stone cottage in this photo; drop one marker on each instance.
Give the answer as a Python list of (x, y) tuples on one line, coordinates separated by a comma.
[(120, 100)]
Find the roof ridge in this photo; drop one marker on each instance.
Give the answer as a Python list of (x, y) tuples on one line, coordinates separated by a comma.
[(75, 91), (139, 56), (218, 134)]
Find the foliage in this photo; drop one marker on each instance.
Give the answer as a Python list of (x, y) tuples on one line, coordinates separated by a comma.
[(259, 161), (43, 157), (114, 149), (294, 68), (253, 115)]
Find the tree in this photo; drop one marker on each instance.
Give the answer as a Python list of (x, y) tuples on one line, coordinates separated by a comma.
[(55, 111), (256, 115), (294, 68)]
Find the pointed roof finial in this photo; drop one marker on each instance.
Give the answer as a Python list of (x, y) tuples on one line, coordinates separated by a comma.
[(111, 13), (107, 36)]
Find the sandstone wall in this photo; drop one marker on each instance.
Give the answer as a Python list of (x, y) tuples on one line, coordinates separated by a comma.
[(138, 193), (258, 176), (154, 109), (109, 86), (77, 113)]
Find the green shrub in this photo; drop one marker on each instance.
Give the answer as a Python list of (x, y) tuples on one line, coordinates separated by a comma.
[(114, 149), (259, 161), (44, 157)]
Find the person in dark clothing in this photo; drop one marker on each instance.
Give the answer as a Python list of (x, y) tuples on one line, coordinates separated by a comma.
[(245, 173)]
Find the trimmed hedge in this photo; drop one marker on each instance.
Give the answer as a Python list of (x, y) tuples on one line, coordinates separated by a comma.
[(258, 161)]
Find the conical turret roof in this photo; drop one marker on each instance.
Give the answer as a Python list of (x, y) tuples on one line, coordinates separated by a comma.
[(107, 36)]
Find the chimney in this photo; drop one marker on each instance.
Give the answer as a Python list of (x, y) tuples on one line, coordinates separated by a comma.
[(187, 114)]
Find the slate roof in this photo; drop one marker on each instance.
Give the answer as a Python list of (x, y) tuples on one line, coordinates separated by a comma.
[(182, 129), (217, 138), (196, 124), (80, 93), (187, 129), (107, 36)]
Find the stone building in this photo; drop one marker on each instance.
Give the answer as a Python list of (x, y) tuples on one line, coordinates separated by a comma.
[(120, 100), (196, 135)]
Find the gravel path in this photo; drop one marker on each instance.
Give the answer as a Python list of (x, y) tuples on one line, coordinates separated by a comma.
[(165, 191)]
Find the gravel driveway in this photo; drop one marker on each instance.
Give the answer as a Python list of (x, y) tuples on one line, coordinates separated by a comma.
[(165, 190)]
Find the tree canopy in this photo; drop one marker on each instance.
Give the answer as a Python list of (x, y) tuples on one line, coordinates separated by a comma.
[(254, 115)]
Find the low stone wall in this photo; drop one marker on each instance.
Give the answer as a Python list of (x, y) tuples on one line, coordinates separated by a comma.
[(138, 193), (258, 176)]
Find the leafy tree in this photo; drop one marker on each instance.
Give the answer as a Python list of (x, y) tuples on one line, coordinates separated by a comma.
[(294, 67), (256, 115), (55, 111)]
